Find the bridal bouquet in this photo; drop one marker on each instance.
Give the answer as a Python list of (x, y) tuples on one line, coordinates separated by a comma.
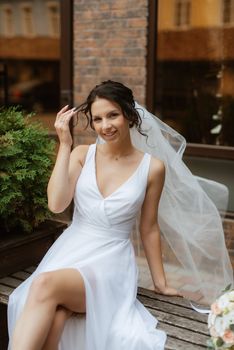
[(221, 322)]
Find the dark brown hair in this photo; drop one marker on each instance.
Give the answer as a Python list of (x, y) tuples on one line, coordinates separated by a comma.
[(115, 92)]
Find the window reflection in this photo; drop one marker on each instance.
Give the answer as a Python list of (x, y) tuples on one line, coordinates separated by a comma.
[(7, 21), (53, 18), (29, 39), (195, 69), (182, 13), (228, 11), (27, 20)]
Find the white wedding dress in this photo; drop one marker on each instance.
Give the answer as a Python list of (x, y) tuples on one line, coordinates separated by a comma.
[(97, 243)]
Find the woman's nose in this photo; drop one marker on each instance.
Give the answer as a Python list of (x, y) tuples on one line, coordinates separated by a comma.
[(106, 124)]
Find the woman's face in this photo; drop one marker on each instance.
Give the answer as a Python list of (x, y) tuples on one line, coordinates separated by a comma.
[(108, 120)]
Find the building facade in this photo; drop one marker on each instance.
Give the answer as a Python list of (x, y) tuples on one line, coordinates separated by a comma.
[(30, 53), (176, 55)]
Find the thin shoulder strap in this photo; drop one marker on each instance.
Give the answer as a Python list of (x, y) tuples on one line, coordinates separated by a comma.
[(89, 153), (147, 164), (144, 169), (147, 161)]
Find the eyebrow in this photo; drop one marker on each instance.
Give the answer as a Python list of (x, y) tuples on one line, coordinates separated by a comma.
[(113, 111)]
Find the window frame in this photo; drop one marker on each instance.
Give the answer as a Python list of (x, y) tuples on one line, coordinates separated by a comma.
[(25, 33), (231, 22), (3, 8), (192, 149), (180, 23), (66, 50), (49, 5)]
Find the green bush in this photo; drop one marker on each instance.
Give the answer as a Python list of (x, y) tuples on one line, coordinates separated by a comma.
[(26, 159)]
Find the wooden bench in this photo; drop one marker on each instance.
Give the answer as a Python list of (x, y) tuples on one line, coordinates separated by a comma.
[(186, 329)]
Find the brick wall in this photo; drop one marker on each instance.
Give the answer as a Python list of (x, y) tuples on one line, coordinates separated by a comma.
[(110, 40)]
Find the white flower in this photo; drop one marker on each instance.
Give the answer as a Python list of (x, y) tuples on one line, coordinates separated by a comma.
[(223, 301), (219, 326), (228, 319), (221, 321), (211, 319), (231, 295)]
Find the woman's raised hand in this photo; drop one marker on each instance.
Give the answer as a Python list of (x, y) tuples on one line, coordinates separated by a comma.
[(62, 125)]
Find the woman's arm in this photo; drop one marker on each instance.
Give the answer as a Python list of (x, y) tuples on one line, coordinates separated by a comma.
[(67, 167), (149, 229)]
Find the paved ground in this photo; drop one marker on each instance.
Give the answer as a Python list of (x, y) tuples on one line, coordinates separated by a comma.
[(176, 277)]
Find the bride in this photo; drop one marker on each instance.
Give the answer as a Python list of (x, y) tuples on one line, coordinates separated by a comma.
[(83, 293)]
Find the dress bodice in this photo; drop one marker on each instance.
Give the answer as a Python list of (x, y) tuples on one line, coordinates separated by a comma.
[(116, 212)]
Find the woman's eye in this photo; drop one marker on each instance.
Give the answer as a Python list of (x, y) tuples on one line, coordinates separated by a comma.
[(96, 119), (114, 115)]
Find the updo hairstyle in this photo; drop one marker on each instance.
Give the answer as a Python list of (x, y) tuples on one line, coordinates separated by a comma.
[(114, 92)]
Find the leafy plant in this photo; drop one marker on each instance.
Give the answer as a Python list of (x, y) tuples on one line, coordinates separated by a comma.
[(26, 158)]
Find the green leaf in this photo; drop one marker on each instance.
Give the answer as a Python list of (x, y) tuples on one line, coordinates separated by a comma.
[(219, 342), (228, 288), (26, 161)]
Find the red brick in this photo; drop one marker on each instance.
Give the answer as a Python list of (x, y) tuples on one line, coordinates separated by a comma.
[(109, 43)]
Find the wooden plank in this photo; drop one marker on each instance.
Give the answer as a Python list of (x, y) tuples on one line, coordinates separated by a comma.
[(10, 282), (173, 309), (184, 334), (172, 300), (177, 344), (181, 322), (21, 275), (4, 299), (5, 291), (30, 269), (186, 329)]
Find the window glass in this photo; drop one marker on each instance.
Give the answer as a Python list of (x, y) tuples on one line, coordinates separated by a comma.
[(195, 69), (7, 21), (182, 13), (53, 18), (30, 57), (27, 20), (228, 11)]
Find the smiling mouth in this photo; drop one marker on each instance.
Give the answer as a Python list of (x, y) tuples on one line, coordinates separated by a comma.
[(110, 134)]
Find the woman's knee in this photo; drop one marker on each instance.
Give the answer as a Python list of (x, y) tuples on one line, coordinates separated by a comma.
[(42, 287), (61, 315)]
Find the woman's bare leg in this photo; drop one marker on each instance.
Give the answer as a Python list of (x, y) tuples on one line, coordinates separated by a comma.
[(63, 287), (61, 315)]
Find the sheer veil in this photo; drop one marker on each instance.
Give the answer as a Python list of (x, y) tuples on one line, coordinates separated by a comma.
[(189, 219)]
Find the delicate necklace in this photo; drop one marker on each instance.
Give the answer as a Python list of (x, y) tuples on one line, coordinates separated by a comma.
[(123, 156), (118, 157)]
